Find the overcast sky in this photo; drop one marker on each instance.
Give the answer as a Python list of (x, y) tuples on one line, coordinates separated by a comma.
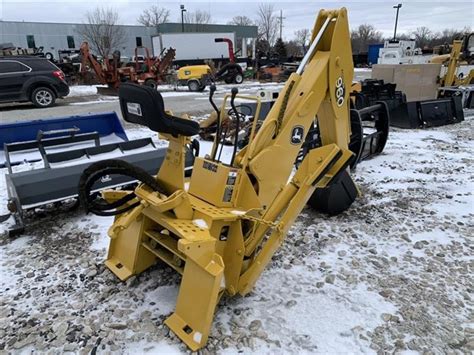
[(436, 15)]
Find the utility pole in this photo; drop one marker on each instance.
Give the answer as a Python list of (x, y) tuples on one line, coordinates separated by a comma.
[(183, 10), (396, 21), (281, 22)]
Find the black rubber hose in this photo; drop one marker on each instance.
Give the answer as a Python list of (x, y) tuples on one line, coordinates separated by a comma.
[(108, 167), (240, 107), (234, 93), (212, 90)]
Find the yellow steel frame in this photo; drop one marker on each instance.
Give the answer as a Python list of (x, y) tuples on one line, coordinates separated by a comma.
[(222, 232), (453, 61)]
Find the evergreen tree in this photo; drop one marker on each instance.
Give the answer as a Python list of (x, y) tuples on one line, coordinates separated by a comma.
[(280, 50)]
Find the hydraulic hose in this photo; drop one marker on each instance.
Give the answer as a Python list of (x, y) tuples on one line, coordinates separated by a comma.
[(212, 90), (104, 168), (234, 93)]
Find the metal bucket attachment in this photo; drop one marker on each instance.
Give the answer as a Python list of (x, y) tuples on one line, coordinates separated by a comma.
[(416, 114), (369, 134), (429, 113), (440, 112)]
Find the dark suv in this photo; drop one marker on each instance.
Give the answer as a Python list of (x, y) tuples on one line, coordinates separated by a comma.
[(31, 79)]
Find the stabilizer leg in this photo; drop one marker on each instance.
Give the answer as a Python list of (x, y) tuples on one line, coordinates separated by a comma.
[(198, 293)]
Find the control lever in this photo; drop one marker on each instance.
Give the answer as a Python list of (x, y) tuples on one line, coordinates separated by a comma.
[(234, 93), (212, 90)]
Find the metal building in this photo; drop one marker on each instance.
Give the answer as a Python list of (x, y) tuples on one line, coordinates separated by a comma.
[(58, 36)]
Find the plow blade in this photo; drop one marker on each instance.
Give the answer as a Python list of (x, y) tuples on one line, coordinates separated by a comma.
[(22, 141), (54, 165)]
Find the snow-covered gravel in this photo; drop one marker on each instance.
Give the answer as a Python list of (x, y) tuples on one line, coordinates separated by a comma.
[(393, 273)]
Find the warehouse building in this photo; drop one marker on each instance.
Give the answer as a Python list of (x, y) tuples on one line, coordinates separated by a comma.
[(59, 36)]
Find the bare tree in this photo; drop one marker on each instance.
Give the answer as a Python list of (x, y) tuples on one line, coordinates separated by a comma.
[(267, 24), (102, 31), (241, 21), (302, 37), (448, 35), (154, 16), (364, 35), (423, 36), (198, 17), (293, 48)]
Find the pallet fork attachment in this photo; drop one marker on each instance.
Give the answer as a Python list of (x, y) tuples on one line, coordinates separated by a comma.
[(222, 231)]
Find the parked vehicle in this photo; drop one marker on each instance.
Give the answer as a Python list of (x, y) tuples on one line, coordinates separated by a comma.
[(194, 48), (196, 77), (32, 79)]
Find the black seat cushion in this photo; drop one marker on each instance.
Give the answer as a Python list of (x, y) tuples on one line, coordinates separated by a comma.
[(144, 105)]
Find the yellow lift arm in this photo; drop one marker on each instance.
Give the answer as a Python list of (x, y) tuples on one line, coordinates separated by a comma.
[(222, 231), (459, 52)]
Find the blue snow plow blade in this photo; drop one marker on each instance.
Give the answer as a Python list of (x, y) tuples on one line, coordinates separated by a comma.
[(104, 124), (46, 158), (27, 141)]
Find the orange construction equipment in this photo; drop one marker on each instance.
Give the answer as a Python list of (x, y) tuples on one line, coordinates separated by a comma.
[(110, 72)]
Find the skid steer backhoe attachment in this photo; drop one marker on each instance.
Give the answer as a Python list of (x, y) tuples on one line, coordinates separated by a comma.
[(221, 231)]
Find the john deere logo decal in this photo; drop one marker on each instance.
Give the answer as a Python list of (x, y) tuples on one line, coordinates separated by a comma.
[(340, 91), (297, 135)]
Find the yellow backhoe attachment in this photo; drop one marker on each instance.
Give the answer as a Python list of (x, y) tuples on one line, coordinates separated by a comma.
[(459, 54), (222, 231)]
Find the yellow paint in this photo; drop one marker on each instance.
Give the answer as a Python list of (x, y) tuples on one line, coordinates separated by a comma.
[(214, 233), (193, 72)]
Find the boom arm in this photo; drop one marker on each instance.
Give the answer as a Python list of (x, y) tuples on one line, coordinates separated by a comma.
[(459, 52), (320, 87), (88, 58), (450, 76)]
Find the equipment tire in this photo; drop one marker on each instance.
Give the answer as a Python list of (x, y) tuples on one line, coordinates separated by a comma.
[(151, 83), (43, 97), (238, 79), (49, 56), (194, 85)]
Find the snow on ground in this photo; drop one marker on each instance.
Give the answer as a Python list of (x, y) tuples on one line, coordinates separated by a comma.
[(176, 91), (101, 100), (83, 90), (392, 273)]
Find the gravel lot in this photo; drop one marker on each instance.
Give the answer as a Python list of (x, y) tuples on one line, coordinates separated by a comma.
[(393, 273)]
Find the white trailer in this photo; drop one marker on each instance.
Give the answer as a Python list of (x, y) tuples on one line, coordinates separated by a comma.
[(402, 52), (193, 46)]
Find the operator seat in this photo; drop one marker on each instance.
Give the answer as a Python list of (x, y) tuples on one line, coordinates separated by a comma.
[(144, 105)]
